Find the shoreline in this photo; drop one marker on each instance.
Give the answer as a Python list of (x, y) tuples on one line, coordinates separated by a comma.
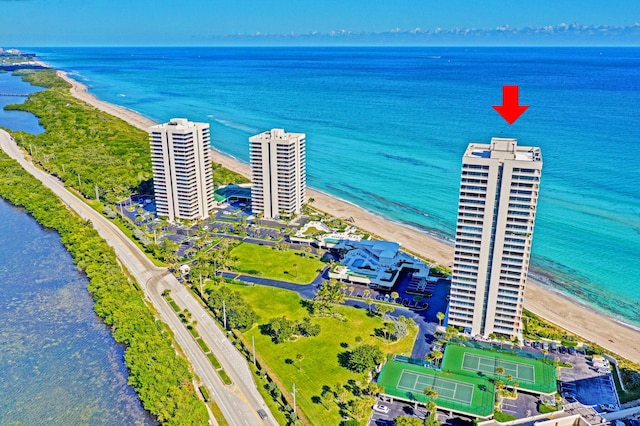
[(610, 333)]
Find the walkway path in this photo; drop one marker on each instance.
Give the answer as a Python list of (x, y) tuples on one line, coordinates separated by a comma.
[(239, 403)]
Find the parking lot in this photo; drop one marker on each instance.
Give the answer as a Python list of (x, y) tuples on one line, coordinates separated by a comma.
[(589, 384), (400, 408)]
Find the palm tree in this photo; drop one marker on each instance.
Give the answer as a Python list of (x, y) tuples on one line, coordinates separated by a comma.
[(430, 393), (437, 355), (499, 371), (508, 378), (450, 332), (351, 288), (295, 265), (300, 357), (366, 292), (440, 317), (394, 295), (545, 352), (431, 408), (384, 309), (515, 385)]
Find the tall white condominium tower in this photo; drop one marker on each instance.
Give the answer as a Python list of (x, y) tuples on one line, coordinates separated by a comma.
[(496, 214), (278, 173), (182, 173)]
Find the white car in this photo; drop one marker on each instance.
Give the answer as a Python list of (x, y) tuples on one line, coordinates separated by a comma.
[(381, 408)]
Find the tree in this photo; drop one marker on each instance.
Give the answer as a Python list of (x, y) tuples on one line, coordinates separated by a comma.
[(508, 378), (499, 371), (351, 288), (307, 328), (394, 295), (326, 397), (366, 293), (295, 265), (360, 407), (280, 329), (384, 309), (339, 391), (329, 293), (364, 358), (407, 421), (400, 329), (430, 393), (431, 407), (374, 389), (240, 315), (434, 356), (515, 385), (300, 357), (450, 332), (440, 316)]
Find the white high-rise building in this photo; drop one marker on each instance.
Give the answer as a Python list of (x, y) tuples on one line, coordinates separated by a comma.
[(278, 173), (182, 172), (496, 215)]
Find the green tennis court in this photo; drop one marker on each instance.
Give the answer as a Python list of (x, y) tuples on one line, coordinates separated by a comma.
[(468, 393), (535, 375), (519, 371), (451, 390)]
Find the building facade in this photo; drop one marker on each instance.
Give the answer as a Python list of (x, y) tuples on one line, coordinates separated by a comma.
[(496, 215), (182, 172), (278, 173)]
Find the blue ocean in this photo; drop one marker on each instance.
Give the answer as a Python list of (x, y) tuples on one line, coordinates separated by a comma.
[(386, 128)]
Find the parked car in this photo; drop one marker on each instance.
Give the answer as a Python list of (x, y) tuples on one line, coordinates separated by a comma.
[(572, 350), (536, 344), (554, 347), (381, 408), (527, 342), (607, 407), (562, 350), (545, 346)]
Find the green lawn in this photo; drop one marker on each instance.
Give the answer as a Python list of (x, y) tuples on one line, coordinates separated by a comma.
[(268, 262), (320, 364)]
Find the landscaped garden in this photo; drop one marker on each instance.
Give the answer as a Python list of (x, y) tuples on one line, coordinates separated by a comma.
[(317, 364), (268, 262)]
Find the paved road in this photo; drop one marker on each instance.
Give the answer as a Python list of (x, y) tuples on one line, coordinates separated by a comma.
[(239, 403)]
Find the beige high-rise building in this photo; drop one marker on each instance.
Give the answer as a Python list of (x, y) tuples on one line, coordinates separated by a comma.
[(496, 215), (182, 172), (278, 173)]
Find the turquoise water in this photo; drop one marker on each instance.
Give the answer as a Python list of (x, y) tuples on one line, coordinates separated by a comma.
[(59, 364), (386, 129)]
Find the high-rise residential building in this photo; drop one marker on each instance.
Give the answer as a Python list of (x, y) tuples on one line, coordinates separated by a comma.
[(182, 172), (278, 173), (496, 215)]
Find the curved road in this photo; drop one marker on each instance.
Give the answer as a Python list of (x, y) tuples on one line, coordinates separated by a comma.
[(239, 402)]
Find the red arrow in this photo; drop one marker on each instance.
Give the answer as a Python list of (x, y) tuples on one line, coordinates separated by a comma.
[(510, 110)]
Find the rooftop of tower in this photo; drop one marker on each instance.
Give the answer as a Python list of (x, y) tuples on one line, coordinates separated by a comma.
[(276, 134), (504, 149)]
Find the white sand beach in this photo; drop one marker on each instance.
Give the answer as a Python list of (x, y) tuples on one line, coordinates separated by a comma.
[(558, 309)]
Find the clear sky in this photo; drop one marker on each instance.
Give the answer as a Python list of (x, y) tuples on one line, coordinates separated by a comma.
[(201, 22)]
